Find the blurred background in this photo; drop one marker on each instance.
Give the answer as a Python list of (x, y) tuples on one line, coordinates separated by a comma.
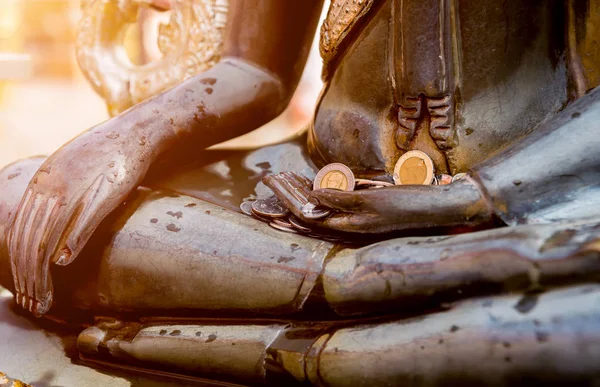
[(45, 100)]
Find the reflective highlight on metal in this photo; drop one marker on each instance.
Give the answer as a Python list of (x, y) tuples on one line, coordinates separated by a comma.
[(246, 207), (270, 207), (366, 183), (311, 211), (282, 227), (458, 176)]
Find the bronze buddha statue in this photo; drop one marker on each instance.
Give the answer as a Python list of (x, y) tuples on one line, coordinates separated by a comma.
[(135, 224)]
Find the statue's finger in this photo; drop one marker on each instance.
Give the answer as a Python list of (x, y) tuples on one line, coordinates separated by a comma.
[(41, 273), (281, 189), (16, 244), (92, 209), (33, 230), (338, 200), (294, 184), (358, 222)]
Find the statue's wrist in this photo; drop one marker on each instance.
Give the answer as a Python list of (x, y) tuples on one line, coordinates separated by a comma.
[(469, 201), (484, 206)]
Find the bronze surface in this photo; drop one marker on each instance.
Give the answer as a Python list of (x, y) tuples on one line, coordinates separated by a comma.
[(132, 237)]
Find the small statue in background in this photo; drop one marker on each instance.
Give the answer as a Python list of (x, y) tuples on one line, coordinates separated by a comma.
[(190, 43), (6, 381), (134, 230)]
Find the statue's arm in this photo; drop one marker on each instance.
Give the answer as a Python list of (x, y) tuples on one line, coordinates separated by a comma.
[(266, 45), (551, 174)]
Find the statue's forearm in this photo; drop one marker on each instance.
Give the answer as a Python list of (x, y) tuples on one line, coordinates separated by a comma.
[(266, 46), (232, 98), (554, 173)]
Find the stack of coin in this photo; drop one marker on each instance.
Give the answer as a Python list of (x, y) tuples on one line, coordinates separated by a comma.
[(273, 212)]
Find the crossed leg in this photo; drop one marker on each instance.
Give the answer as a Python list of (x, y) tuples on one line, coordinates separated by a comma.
[(178, 247), (167, 254)]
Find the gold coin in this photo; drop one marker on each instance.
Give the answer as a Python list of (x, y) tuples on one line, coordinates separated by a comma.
[(335, 176), (413, 168), (335, 180)]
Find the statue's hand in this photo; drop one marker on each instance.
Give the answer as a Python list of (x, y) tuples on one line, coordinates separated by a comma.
[(65, 201), (386, 209), (404, 207)]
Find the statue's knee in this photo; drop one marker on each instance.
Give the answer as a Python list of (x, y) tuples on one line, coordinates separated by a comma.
[(13, 182)]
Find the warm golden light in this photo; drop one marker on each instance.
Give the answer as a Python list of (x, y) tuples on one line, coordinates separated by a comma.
[(64, 103)]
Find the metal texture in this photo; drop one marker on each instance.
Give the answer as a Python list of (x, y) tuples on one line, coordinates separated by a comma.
[(545, 337), (403, 300), (270, 207), (310, 211)]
